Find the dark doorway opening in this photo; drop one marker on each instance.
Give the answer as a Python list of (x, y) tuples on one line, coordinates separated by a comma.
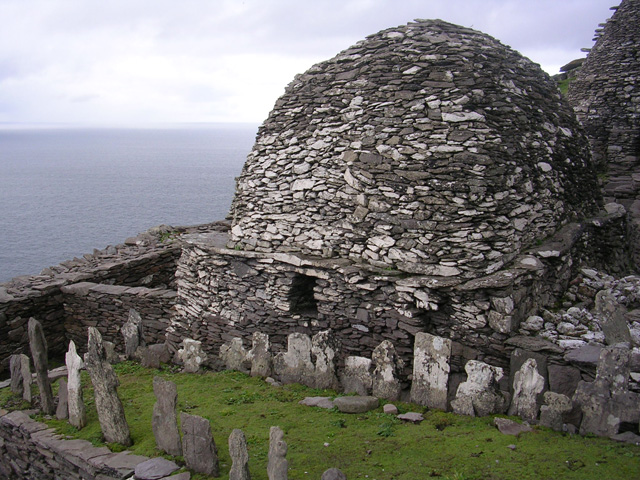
[(301, 297)]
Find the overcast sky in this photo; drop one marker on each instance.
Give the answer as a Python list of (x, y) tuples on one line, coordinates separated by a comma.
[(127, 62)]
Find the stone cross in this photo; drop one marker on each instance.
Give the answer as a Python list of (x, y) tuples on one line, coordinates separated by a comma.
[(239, 456), (164, 420), (198, 447), (62, 411), (324, 347), (527, 384), (192, 355), (480, 394), (105, 383), (278, 466), (38, 345), (234, 356), (430, 370), (260, 355), (294, 365), (132, 331), (386, 366), (356, 376), (77, 411)]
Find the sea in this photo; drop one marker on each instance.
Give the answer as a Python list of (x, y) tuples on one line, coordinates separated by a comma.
[(65, 191)]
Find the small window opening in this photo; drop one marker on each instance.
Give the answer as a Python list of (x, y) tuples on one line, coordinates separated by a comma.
[(301, 298)]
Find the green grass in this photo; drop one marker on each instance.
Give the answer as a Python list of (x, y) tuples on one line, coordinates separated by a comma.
[(444, 446), (563, 85)]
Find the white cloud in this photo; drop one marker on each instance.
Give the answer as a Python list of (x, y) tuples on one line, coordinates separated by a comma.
[(122, 62)]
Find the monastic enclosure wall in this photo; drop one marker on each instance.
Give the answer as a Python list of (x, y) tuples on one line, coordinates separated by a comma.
[(29, 449), (147, 260), (226, 293), (106, 307)]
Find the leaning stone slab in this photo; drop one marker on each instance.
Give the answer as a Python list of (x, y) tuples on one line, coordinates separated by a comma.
[(155, 469), (527, 384), (386, 367), (260, 355), (294, 365), (123, 464), (509, 427), (198, 447), (164, 420), (234, 356), (277, 468), (356, 375), (62, 410), (77, 411), (324, 347), (356, 404), (239, 456), (321, 402), (105, 383), (430, 370), (38, 345)]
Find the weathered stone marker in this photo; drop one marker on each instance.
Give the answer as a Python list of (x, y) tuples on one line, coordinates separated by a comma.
[(480, 394), (132, 331), (333, 474), (430, 370), (16, 368), (38, 345), (294, 365), (62, 411), (386, 366), (356, 376), (191, 355), (260, 355), (198, 447), (556, 406), (527, 384), (77, 411), (324, 347), (105, 383), (278, 465), (164, 420), (239, 456), (234, 355)]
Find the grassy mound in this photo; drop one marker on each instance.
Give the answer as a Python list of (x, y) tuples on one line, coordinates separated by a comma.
[(365, 446)]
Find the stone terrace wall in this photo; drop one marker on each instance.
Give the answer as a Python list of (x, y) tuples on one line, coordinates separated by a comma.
[(226, 293), (31, 450), (106, 307), (428, 148), (145, 260), (606, 98)]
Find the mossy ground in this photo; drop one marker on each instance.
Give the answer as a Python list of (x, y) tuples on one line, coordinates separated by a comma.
[(366, 446)]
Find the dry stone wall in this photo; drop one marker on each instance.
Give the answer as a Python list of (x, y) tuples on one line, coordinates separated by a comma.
[(606, 99), (106, 307), (428, 148)]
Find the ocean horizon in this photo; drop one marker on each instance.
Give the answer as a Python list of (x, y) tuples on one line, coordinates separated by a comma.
[(66, 190)]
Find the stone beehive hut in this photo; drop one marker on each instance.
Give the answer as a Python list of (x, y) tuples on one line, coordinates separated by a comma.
[(394, 189), (427, 148), (606, 98)]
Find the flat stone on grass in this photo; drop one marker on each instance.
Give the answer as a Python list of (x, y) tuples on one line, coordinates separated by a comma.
[(412, 417), (155, 469), (322, 402), (356, 404)]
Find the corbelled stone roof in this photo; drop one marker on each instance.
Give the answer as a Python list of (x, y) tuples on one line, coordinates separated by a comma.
[(428, 148), (606, 98)]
